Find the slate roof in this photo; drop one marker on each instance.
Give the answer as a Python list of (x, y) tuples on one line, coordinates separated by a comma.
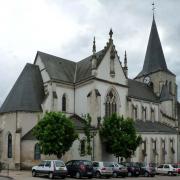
[(154, 58), (60, 69), (153, 127), (27, 93), (140, 90), (78, 122), (165, 95)]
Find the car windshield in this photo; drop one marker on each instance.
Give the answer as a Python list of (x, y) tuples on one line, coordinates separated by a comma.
[(107, 164), (87, 163), (59, 164)]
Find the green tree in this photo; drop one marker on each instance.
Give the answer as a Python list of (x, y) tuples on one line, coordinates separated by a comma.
[(119, 136), (88, 134), (56, 133)]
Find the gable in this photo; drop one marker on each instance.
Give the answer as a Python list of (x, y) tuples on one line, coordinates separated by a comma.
[(103, 70)]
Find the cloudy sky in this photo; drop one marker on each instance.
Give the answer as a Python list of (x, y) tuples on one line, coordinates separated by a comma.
[(66, 28)]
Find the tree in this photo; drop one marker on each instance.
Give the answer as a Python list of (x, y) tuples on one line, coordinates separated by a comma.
[(88, 134), (56, 133), (119, 136)]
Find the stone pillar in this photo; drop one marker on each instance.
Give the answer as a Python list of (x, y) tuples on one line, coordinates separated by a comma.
[(17, 154), (97, 148)]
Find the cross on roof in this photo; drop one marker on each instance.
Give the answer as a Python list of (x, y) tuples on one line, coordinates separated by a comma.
[(153, 7)]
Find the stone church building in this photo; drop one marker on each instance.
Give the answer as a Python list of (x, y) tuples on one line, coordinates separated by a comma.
[(98, 85)]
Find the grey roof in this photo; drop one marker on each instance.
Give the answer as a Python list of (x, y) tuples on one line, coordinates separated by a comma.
[(79, 124), (154, 58), (165, 95), (29, 136), (68, 71), (153, 127), (27, 93), (140, 90), (84, 66), (58, 68)]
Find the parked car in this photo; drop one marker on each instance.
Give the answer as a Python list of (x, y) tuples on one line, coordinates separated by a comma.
[(147, 169), (168, 169), (119, 170), (51, 168), (133, 169), (177, 167), (102, 169), (80, 168)]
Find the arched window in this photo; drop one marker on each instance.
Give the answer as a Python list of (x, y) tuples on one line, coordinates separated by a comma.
[(9, 153), (64, 102), (82, 147), (170, 87), (111, 103), (37, 152)]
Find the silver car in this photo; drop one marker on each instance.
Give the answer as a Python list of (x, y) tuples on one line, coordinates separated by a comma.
[(102, 169), (51, 168), (168, 169)]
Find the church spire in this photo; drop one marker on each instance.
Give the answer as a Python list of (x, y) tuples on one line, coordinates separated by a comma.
[(154, 58)]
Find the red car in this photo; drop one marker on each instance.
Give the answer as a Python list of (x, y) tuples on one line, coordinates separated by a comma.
[(178, 168)]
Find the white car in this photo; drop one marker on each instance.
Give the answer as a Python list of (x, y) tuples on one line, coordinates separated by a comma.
[(168, 169), (51, 168)]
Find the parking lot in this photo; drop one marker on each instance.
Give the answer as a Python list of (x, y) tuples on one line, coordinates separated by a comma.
[(26, 175)]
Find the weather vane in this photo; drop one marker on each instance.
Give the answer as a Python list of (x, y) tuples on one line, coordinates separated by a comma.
[(153, 8)]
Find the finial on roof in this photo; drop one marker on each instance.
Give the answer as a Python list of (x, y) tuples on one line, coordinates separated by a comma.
[(94, 46), (153, 8), (110, 33), (125, 68), (125, 59)]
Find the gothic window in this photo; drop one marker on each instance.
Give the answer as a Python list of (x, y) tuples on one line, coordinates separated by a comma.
[(144, 113), (172, 145), (82, 147), (9, 146), (152, 114), (64, 102), (170, 87), (37, 152), (144, 148), (110, 104)]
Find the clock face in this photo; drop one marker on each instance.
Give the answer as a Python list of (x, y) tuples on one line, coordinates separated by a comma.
[(147, 80)]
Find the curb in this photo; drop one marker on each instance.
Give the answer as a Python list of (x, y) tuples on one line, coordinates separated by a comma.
[(8, 177)]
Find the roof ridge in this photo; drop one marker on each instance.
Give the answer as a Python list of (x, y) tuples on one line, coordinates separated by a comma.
[(55, 56)]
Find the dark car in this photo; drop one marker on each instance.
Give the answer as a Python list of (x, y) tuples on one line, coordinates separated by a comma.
[(147, 169), (133, 169), (80, 168)]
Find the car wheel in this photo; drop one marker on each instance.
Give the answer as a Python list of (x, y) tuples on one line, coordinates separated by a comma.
[(98, 175), (51, 176), (34, 173), (129, 174), (78, 175), (114, 175), (146, 174), (170, 173)]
